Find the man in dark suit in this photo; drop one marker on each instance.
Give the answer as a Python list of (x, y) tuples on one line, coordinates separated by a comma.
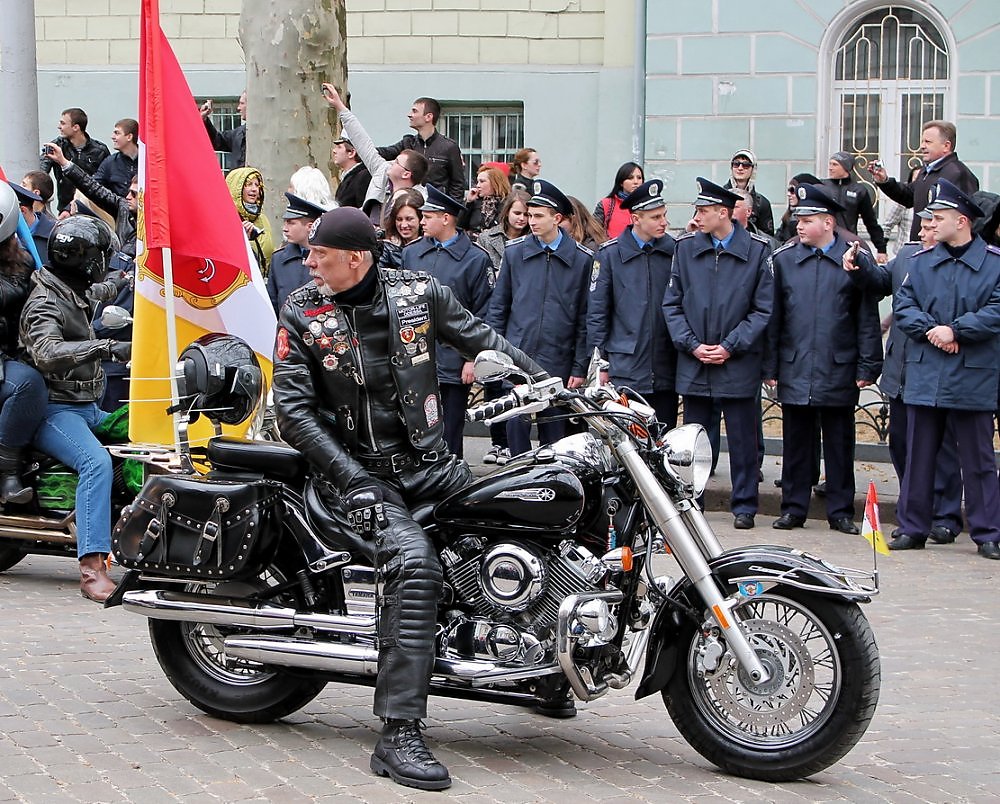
[(937, 148)]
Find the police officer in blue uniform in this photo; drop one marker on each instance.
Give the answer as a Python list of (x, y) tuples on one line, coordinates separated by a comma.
[(717, 308), (540, 303), (446, 253), (949, 308), (884, 280), (824, 344), (624, 319), (288, 271)]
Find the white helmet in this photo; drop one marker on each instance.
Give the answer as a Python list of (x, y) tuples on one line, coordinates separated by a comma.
[(10, 209)]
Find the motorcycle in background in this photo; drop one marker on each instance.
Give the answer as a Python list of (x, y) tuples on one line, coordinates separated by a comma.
[(761, 655)]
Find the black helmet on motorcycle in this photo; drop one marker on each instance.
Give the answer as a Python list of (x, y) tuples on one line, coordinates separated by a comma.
[(81, 248), (219, 375)]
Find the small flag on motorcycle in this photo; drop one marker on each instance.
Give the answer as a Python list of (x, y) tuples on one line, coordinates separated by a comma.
[(872, 528)]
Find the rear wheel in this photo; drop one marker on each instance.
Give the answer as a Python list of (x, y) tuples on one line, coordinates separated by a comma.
[(9, 556), (824, 686), (193, 657)]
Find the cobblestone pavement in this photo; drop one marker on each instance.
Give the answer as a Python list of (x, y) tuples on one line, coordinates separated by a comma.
[(86, 715)]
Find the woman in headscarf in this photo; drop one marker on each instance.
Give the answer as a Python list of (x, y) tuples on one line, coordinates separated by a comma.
[(246, 186)]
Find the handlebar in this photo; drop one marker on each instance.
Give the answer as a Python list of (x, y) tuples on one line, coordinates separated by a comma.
[(531, 397), (488, 410)]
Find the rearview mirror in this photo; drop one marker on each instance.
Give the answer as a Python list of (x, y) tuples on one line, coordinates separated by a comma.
[(493, 365), (115, 317)]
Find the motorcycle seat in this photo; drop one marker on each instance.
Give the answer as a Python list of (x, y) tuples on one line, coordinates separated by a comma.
[(270, 458)]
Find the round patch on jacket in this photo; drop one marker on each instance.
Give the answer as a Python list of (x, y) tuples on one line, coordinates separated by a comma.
[(281, 348)]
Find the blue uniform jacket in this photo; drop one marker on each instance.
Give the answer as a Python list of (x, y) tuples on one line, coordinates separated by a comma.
[(963, 294), (540, 303), (463, 267), (825, 333), (624, 320), (720, 298), (287, 273), (882, 281)]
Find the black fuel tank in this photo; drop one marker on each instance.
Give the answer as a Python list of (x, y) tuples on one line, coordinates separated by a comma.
[(537, 497)]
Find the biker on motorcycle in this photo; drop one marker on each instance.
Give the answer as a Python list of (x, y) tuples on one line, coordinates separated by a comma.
[(22, 389), (355, 388), (57, 333)]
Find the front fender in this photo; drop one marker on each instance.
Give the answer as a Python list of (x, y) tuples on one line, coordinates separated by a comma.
[(770, 565)]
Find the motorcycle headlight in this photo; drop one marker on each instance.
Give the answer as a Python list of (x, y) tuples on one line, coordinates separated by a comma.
[(687, 456)]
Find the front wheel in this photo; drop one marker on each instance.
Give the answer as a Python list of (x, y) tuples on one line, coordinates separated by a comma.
[(824, 686), (193, 658)]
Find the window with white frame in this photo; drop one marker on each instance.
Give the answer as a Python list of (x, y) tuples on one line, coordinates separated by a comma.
[(485, 133), (225, 116)]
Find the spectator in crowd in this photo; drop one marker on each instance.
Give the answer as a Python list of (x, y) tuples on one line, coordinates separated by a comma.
[(609, 211), (886, 281), (39, 225), (354, 176), (78, 146), (526, 165), (741, 214), (402, 225), (408, 169), (310, 183), (825, 343), (40, 184), (948, 306), (625, 321), (446, 253), (483, 201), (117, 171), (513, 223), (854, 197), (540, 304), (743, 166), (233, 141), (938, 139), (717, 309), (246, 186), (788, 228), (288, 271), (22, 390), (445, 168), (583, 227)]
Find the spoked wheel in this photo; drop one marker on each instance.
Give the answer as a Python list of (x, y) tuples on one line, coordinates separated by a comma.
[(824, 682), (194, 659)]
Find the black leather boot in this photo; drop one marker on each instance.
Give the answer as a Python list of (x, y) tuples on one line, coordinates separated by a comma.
[(402, 755), (11, 488)]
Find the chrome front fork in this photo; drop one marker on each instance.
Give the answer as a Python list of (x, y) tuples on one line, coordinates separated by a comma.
[(688, 535)]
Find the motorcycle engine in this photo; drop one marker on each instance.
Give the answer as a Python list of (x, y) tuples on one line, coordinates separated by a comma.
[(514, 590)]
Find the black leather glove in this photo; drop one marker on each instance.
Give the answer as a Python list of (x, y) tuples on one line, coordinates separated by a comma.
[(121, 351), (365, 510)]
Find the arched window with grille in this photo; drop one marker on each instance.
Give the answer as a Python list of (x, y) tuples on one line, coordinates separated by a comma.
[(891, 73)]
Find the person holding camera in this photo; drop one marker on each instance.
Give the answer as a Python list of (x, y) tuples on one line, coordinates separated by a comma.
[(79, 147)]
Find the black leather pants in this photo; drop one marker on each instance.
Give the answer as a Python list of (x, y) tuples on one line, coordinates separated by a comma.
[(409, 577)]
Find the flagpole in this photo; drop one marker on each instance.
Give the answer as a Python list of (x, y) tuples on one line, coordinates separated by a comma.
[(168, 288)]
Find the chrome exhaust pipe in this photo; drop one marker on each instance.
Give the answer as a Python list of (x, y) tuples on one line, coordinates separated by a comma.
[(161, 604), (355, 659), (329, 657), (38, 528)]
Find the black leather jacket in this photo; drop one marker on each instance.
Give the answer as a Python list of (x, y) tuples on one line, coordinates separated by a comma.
[(13, 292), (87, 157), (56, 331), (330, 364)]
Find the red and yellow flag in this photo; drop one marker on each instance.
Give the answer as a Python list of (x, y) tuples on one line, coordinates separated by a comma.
[(871, 528), (187, 215)]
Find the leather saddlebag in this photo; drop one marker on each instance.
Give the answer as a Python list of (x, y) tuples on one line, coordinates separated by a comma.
[(189, 526)]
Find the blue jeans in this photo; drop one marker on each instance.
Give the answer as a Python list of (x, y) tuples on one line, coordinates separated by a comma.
[(66, 435), (23, 397)]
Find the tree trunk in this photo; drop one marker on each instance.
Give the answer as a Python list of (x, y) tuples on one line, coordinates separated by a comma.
[(291, 48)]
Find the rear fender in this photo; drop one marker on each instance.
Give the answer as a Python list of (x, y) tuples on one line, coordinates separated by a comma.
[(760, 568)]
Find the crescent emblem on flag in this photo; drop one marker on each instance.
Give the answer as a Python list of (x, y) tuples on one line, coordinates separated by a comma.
[(207, 272)]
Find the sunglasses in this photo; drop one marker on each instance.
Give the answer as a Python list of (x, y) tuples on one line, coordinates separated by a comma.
[(740, 163), (132, 192), (790, 189)]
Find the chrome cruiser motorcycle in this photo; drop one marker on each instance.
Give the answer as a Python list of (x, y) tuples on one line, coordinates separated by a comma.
[(761, 655)]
